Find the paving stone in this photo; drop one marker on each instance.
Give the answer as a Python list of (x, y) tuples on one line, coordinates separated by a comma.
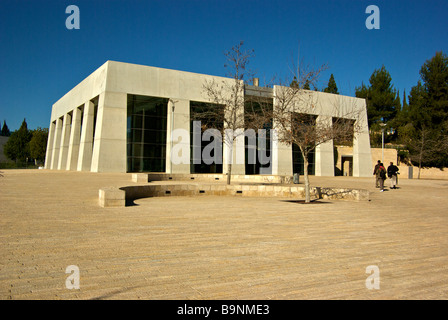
[(219, 247)]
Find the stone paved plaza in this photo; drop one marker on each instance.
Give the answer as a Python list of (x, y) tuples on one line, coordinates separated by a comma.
[(211, 247)]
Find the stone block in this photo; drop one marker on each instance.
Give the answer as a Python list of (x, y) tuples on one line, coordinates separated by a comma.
[(112, 197), (140, 177), (363, 195)]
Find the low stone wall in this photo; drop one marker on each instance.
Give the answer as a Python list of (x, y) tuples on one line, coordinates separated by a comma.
[(342, 194), (110, 197), (426, 173), (148, 177)]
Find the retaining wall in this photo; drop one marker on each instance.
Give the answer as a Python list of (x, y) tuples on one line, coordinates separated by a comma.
[(117, 197), (148, 177)]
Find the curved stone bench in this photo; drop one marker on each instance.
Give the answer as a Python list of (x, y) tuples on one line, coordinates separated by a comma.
[(117, 197), (272, 179)]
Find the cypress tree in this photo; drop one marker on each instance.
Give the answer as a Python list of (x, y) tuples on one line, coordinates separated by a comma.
[(5, 130), (434, 74), (294, 83), (404, 105), (381, 97), (331, 87), (17, 147), (306, 86)]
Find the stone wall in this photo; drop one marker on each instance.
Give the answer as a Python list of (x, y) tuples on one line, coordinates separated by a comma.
[(117, 197), (148, 177), (390, 155), (426, 173)]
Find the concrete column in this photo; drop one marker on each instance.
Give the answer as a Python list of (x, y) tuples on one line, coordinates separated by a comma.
[(179, 121), (86, 141), (73, 146), (109, 152), (65, 138), (48, 154), (324, 155), (281, 159), (238, 156), (281, 152), (56, 144), (362, 157)]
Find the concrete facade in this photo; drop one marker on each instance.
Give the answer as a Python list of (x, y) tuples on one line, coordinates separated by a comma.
[(88, 126)]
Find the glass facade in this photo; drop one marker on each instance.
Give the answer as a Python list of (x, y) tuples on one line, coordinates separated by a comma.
[(297, 161), (208, 114), (253, 106), (303, 125), (345, 128), (146, 133)]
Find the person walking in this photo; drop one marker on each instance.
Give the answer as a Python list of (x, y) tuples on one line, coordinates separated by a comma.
[(382, 174), (392, 172), (377, 174)]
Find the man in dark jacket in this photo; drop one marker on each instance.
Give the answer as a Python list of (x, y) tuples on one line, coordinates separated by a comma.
[(392, 172), (382, 176), (376, 173)]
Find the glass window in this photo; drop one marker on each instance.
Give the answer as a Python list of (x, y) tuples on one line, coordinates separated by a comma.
[(253, 106), (206, 113), (297, 161), (303, 125), (146, 133)]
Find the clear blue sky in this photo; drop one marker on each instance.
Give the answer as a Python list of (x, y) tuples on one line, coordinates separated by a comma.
[(41, 60)]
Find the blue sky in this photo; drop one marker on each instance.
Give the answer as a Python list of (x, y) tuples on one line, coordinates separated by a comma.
[(41, 60)]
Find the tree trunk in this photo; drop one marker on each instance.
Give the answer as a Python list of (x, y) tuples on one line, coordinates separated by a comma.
[(419, 168), (420, 164), (307, 179), (229, 173), (420, 156)]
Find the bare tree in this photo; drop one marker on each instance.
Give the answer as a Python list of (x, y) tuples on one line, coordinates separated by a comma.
[(227, 100), (426, 144), (299, 119)]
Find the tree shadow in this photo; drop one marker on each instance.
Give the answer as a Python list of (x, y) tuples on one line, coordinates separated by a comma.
[(113, 293), (314, 201)]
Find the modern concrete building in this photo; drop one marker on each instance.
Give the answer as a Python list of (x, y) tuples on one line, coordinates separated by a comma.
[(121, 117)]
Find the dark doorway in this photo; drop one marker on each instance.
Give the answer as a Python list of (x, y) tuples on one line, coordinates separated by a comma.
[(347, 165)]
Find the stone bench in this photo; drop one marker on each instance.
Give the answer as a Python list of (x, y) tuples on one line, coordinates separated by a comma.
[(117, 197), (112, 197), (148, 177)]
